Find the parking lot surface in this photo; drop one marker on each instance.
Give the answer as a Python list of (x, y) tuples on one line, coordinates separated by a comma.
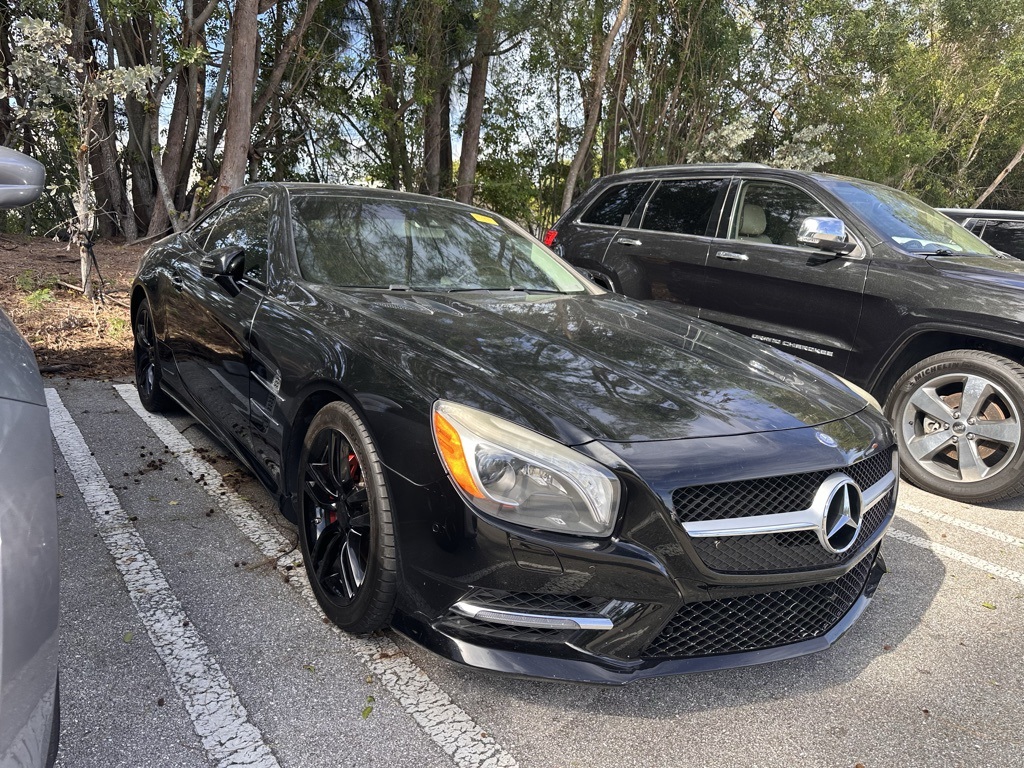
[(189, 638)]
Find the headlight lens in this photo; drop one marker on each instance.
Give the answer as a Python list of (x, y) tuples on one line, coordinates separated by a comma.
[(517, 475)]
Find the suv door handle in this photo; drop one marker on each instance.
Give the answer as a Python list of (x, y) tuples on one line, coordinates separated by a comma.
[(731, 256), (627, 241)]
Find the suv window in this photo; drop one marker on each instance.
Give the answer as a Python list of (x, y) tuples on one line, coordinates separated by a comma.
[(1007, 236), (244, 223), (615, 207), (683, 206), (770, 212)]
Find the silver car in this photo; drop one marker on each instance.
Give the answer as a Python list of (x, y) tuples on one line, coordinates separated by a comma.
[(29, 585)]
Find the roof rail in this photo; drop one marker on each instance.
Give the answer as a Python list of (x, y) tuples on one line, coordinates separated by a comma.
[(688, 166)]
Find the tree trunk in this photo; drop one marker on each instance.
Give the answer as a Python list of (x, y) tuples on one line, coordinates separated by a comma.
[(284, 57), (623, 72), (213, 135), (173, 148), (593, 109), (131, 40), (197, 92), (999, 179), (84, 207), (447, 170), (432, 146), (470, 154), (238, 130), (7, 78), (398, 176), (428, 82)]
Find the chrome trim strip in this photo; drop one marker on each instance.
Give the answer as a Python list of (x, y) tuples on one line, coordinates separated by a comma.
[(536, 620), (874, 494), (783, 522)]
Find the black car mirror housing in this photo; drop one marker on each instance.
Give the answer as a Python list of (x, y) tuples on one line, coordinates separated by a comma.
[(225, 266)]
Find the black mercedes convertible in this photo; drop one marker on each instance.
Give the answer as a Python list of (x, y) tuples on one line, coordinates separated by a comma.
[(510, 465)]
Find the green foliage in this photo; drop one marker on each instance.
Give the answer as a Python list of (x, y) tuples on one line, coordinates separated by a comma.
[(926, 95), (31, 282), (40, 298), (26, 281)]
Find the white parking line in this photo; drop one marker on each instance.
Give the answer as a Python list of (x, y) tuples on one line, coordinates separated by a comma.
[(955, 554), (218, 716), (965, 524), (439, 717)]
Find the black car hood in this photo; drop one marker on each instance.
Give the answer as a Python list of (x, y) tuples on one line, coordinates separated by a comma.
[(613, 368), (988, 271)]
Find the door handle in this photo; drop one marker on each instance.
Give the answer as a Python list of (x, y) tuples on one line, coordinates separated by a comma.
[(627, 241), (731, 256)]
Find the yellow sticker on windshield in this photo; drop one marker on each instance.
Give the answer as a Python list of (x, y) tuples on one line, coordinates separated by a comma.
[(484, 219)]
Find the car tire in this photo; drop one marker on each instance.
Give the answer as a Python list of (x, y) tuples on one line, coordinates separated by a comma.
[(147, 361), (346, 527), (974, 453)]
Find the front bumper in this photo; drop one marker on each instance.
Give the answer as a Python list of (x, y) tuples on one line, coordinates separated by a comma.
[(676, 601), (572, 663)]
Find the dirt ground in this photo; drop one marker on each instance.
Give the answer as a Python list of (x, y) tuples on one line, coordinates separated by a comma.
[(71, 335)]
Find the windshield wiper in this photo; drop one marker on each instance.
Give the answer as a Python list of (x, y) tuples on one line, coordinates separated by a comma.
[(415, 288), (513, 288), (948, 252)]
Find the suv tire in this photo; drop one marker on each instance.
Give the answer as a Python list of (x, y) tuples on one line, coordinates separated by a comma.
[(958, 418)]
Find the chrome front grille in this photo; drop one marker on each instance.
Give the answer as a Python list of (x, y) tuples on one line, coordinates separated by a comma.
[(784, 552), (771, 525), (769, 495)]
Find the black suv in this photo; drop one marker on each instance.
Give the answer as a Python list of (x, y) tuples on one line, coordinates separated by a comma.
[(862, 279), (1003, 230)]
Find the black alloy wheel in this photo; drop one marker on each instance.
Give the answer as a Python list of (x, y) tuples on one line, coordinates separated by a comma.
[(959, 420), (147, 363), (346, 530)]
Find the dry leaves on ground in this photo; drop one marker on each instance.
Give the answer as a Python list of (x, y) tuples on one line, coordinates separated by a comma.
[(71, 335)]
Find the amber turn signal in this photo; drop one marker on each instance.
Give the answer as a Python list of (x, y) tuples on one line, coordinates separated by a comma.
[(449, 444)]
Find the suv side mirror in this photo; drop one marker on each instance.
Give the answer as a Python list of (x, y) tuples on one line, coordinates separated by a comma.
[(825, 233), (22, 179), (225, 266)]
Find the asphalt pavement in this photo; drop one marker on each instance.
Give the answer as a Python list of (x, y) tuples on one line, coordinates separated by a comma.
[(189, 638)]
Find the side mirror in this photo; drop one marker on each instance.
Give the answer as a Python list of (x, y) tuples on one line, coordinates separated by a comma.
[(22, 179), (825, 233), (225, 266)]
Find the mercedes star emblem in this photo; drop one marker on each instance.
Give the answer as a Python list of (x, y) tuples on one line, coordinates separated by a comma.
[(839, 502)]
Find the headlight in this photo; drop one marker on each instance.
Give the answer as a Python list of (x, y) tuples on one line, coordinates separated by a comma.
[(514, 474)]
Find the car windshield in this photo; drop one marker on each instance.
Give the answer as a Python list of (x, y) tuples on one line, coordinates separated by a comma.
[(348, 241), (906, 221)]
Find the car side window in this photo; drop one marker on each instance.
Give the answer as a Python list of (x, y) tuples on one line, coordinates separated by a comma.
[(683, 206), (616, 205), (200, 231), (771, 212), (1006, 236), (244, 223)]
